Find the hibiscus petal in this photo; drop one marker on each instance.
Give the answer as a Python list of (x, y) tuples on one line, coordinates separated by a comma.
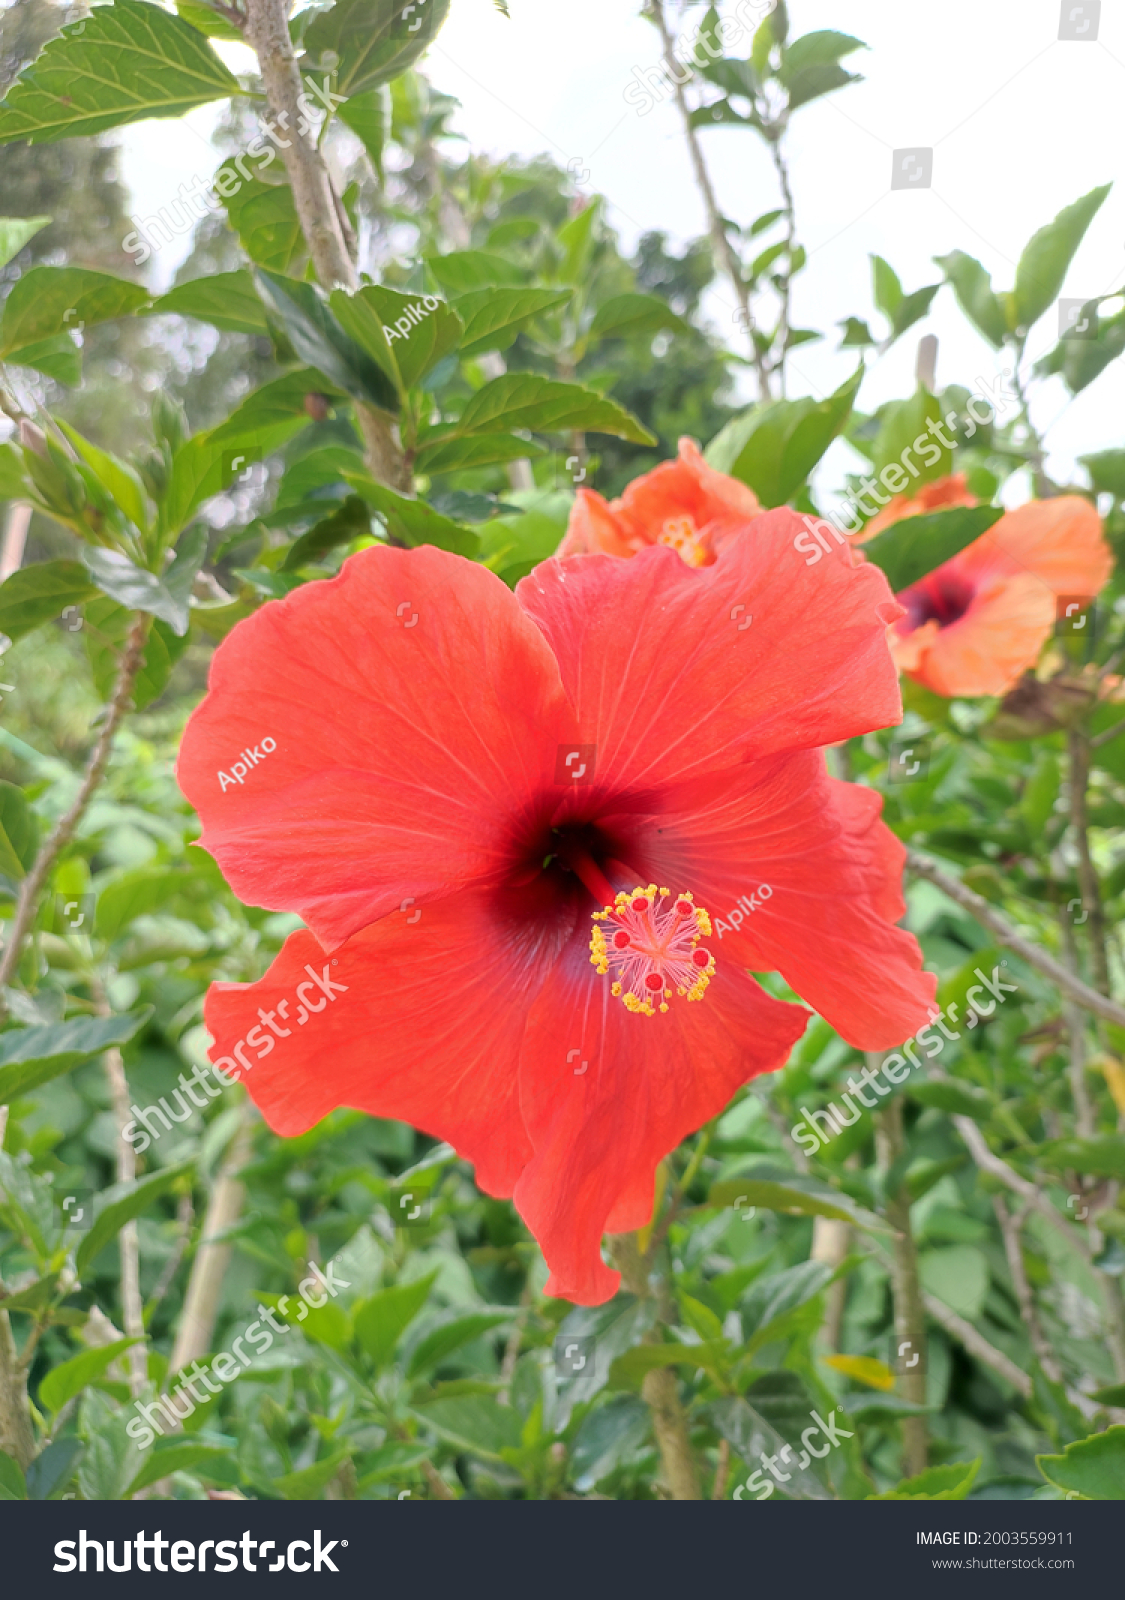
[(1008, 620), (1059, 541), (593, 525), (415, 711), (419, 1020), (607, 1094), (670, 676), (832, 875)]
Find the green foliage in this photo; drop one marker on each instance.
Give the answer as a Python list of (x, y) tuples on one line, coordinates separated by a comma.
[(122, 63)]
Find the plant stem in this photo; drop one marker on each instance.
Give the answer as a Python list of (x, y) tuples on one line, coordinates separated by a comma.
[(660, 1389), (128, 1244), (910, 1318), (1010, 1232), (318, 209), (781, 337), (201, 1299), (1079, 753), (17, 1438), (1067, 982), (63, 831), (720, 242)]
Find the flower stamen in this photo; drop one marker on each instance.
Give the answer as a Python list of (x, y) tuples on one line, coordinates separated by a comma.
[(680, 534), (647, 942)]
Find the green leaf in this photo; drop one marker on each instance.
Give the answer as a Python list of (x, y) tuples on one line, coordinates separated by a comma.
[(34, 1297), (271, 415), (624, 316), (228, 300), (1047, 255), (399, 330), (318, 339), (49, 302), (1101, 1157), (474, 1423), (19, 832), (350, 521), (958, 1275), (773, 1297), (208, 22), (381, 1320), (370, 40), (62, 1383), (59, 358), (440, 1343), (857, 335), (950, 1482), (413, 522), (33, 1056), (810, 65), (576, 238), (749, 1432), (12, 1483), (264, 217), (462, 271), (368, 115), (526, 400), (121, 1204), (973, 288), (1114, 1395), (886, 290), (1080, 361), (775, 447), (121, 63), (13, 482), (1093, 1468), (630, 1369), (774, 1188), (53, 1467), (953, 1097), (139, 590), (493, 317), (911, 309), (105, 632), (1106, 469), (117, 478), (175, 1455), (908, 550), (309, 1483), (448, 454), (14, 234)]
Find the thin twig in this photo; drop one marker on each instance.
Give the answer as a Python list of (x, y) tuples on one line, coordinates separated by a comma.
[(998, 1168), (1010, 1232), (1108, 735), (910, 1321), (722, 1471), (720, 242), (972, 902)]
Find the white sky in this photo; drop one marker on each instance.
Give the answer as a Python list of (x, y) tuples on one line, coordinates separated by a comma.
[(1020, 122)]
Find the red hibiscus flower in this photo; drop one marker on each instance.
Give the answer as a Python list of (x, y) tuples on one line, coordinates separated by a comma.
[(684, 504), (538, 839)]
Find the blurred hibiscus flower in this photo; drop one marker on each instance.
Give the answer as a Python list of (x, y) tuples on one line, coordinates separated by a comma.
[(684, 504), (538, 840), (976, 623)]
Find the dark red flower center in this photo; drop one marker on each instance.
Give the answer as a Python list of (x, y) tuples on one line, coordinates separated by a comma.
[(942, 597)]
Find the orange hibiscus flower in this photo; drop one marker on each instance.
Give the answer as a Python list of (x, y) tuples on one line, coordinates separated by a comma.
[(683, 503), (972, 626)]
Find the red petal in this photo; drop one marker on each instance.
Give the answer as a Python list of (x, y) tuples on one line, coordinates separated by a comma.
[(835, 875), (428, 1030), (405, 750), (667, 678), (607, 1094)]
